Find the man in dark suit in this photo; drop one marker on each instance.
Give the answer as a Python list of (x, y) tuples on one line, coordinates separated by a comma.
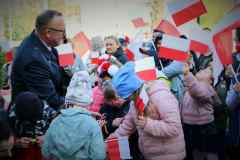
[(36, 66)]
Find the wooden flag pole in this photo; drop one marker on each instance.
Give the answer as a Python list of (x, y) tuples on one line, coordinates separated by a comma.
[(157, 53)]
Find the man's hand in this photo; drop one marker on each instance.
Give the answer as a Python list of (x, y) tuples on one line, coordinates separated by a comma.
[(141, 121)]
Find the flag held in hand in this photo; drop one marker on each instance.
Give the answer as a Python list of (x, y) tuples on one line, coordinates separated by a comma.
[(174, 48), (118, 148), (145, 69), (66, 55), (142, 100)]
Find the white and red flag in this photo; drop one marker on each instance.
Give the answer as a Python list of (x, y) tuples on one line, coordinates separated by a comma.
[(183, 11), (199, 40), (145, 69), (66, 55), (141, 101), (174, 48), (138, 22), (199, 47), (118, 148), (222, 35), (133, 48)]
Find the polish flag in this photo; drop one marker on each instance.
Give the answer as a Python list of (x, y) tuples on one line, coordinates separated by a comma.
[(133, 48), (138, 22), (142, 100), (81, 44), (199, 47), (183, 11), (145, 69), (168, 28), (95, 58), (174, 48), (200, 40), (118, 148), (96, 61), (224, 46), (222, 35), (101, 59), (66, 55)]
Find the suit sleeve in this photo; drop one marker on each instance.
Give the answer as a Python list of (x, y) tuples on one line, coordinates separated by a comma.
[(37, 78)]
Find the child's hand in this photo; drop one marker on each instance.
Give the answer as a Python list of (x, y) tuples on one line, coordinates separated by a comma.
[(101, 122), (237, 87), (111, 136), (186, 69), (23, 142), (141, 121), (117, 121), (96, 115), (40, 140)]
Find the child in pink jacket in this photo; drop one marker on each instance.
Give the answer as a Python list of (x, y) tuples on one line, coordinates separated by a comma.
[(97, 99), (197, 114), (160, 130)]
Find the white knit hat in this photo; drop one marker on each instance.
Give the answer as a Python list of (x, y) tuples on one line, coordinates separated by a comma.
[(79, 90)]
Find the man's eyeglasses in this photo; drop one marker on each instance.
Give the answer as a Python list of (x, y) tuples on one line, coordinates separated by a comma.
[(56, 30)]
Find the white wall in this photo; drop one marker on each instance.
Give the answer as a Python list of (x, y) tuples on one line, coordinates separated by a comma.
[(106, 17)]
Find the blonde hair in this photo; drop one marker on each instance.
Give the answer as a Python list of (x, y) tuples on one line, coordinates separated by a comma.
[(113, 38)]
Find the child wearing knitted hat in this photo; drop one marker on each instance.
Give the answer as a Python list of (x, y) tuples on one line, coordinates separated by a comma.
[(29, 126), (75, 134), (159, 126)]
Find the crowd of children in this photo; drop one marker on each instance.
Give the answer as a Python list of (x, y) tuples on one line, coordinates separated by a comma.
[(186, 115)]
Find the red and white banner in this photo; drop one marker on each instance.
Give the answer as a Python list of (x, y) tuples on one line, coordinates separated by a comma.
[(168, 28), (183, 11), (145, 69), (66, 55), (81, 44), (142, 100), (200, 40), (118, 149), (133, 47), (224, 45), (174, 48), (138, 22), (222, 35), (199, 47)]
